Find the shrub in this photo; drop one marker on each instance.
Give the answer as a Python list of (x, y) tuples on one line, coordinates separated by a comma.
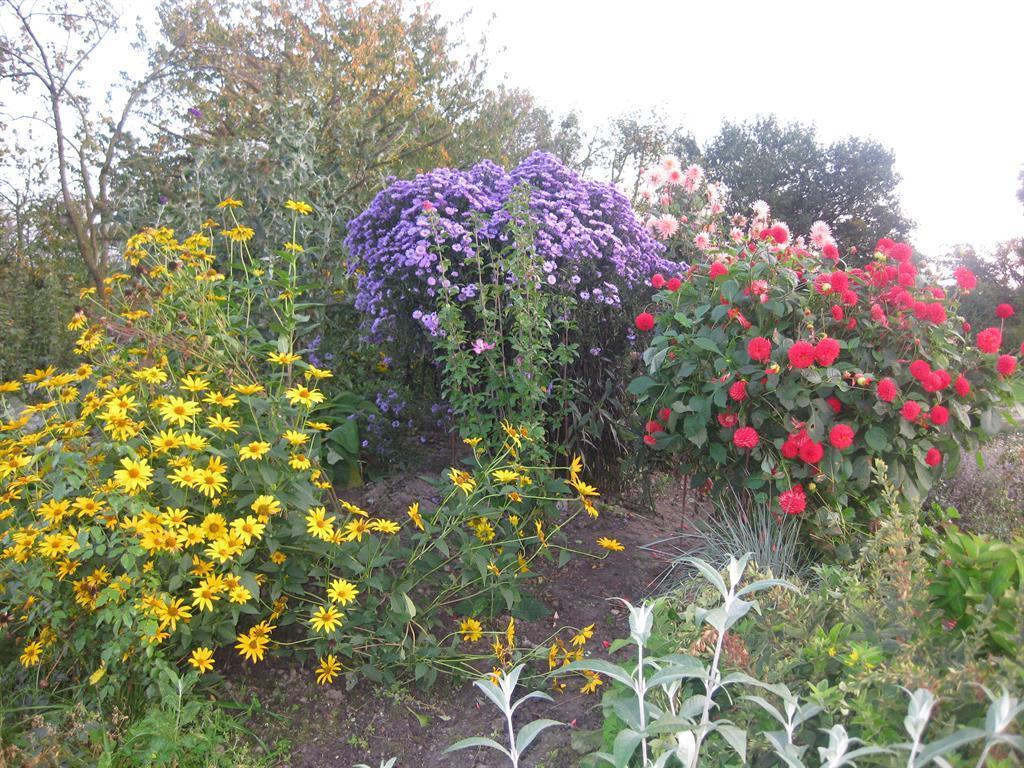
[(443, 240), (774, 370), (164, 500)]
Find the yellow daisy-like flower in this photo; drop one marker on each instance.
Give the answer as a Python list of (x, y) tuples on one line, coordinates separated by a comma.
[(593, 681), (505, 476), (283, 358), (582, 488), (173, 611), (252, 646), (239, 234), (326, 619), (134, 476), (581, 637), (229, 202), (253, 451), (462, 480), (31, 654), (414, 515), (319, 524), (471, 630), (210, 483), (248, 529), (328, 669), (610, 544), (223, 423), (299, 461), (248, 389), (202, 659), (299, 207), (194, 384), (294, 437), (179, 411), (342, 592), (220, 399), (166, 440), (473, 442), (194, 442), (304, 396), (380, 525), (265, 507), (356, 529)]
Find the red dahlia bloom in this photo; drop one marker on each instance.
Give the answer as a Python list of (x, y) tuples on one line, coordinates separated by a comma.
[(759, 349), (738, 391), (793, 501), (841, 436), (962, 386), (650, 439), (1006, 365), (728, 420), (887, 390), (830, 251), (664, 413), (1004, 311), (834, 404), (645, 321), (837, 313), (965, 278), (801, 355), (989, 340), (658, 280), (811, 452), (673, 284), (654, 426), (920, 370), (826, 351), (717, 270), (938, 415), (910, 410), (933, 457), (779, 234), (746, 437)]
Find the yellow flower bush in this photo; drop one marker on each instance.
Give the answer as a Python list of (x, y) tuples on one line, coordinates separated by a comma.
[(164, 499)]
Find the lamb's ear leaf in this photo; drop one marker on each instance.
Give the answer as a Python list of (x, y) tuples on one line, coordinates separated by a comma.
[(478, 741)]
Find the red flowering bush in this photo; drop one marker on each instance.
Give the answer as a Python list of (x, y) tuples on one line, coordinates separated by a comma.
[(774, 369)]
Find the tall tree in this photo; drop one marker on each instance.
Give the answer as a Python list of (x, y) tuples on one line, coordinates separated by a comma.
[(45, 51), (849, 184)]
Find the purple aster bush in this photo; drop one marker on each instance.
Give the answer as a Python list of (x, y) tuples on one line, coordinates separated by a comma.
[(592, 242)]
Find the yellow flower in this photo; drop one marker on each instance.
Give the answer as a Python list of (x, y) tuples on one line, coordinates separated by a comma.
[(223, 423), (247, 529), (194, 442), (593, 681), (581, 637), (610, 544), (239, 234), (299, 461), (135, 476), (32, 653), (463, 480), (303, 396), (179, 411), (265, 507), (414, 515), (10, 386), (326, 619), (248, 389), (294, 247), (220, 400), (380, 525), (166, 440), (202, 659), (194, 384), (293, 437), (318, 373), (205, 595), (356, 529), (342, 592), (211, 483), (582, 488), (98, 674), (283, 358), (252, 646), (505, 476), (229, 202), (471, 630), (240, 595), (299, 207), (253, 451), (472, 441), (319, 524), (171, 612), (328, 669)]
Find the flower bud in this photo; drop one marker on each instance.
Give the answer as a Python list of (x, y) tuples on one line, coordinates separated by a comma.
[(862, 381)]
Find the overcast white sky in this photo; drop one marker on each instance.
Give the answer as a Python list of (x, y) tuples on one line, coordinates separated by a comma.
[(940, 82)]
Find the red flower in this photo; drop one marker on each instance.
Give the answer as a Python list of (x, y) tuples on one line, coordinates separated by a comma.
[(837, 313), (793, 501), (887, 390), (738, 391), (650, 439), (962, 386), (664, 413), (841, 436), (801, 355), (933, 457), (673, 284), (965, 278), (654, 426), (728, 420), (759, 349), (746, 437), (645, 321), (1004, 311), (834, 404), (910, 410), (920, 370), (989, 340), (811, 452), (938, 415), (717, 270), (1006, 365), (658, 281), (779, 234), (826, 351)]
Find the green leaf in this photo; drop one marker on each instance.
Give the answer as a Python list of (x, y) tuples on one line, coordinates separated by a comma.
[(530, 731), (877, 438)]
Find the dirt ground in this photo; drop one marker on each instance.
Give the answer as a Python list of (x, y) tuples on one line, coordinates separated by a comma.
[(327, 726)]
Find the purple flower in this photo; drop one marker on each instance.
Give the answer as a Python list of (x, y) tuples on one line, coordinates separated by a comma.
[(480, 346)]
